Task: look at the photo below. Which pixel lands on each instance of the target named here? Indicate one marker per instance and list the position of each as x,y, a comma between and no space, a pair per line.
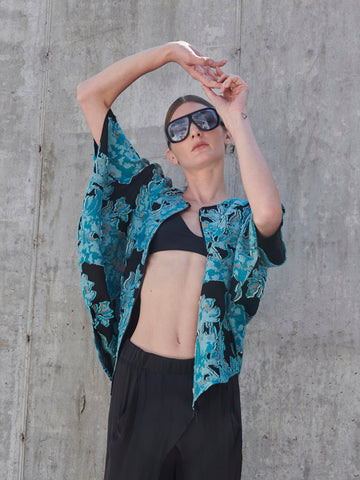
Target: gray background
300,382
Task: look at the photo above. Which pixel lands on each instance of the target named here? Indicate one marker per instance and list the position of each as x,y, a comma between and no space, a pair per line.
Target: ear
171,157
228,138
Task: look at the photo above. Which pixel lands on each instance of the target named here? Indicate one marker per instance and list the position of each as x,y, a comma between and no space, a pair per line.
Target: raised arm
258,182
97,94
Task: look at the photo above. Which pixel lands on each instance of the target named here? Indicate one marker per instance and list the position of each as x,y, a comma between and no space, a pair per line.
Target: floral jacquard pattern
102,314
126,201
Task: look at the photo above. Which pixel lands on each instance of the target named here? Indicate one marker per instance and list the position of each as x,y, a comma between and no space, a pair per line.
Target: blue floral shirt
126,201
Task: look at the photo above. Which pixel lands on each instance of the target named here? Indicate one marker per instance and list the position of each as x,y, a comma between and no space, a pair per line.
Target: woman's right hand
200,68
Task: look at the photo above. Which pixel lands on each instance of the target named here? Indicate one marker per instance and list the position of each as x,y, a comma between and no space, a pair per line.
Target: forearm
107,85
258,182
97,94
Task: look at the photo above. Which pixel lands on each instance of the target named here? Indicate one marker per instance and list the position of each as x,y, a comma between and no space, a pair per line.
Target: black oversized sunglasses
206,119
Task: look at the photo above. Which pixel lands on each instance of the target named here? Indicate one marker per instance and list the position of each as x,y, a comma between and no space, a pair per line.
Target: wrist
236,119
170,50
154,58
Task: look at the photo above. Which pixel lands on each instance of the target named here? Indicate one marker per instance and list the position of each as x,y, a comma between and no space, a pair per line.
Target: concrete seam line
34,239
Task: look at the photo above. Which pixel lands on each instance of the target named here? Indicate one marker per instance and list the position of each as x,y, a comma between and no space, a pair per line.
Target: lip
199,145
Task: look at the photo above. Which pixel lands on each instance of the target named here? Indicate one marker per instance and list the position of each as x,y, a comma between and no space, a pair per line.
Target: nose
195,130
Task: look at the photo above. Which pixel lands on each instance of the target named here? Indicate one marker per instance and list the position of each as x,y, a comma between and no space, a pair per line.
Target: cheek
178,153
220,143
181,150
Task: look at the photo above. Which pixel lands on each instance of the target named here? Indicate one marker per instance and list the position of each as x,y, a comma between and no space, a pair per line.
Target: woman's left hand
232,97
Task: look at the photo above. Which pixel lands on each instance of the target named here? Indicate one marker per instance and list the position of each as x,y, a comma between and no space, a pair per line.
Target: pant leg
211,447
149,411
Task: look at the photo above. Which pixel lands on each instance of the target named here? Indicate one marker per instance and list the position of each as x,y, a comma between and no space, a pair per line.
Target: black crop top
174,234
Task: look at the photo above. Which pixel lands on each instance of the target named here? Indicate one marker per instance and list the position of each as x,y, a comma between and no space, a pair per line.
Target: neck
206,187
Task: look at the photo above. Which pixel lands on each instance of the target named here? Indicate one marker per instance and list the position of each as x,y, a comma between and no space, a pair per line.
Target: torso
169,299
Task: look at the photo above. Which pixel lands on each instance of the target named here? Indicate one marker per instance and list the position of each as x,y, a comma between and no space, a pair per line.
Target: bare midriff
169,303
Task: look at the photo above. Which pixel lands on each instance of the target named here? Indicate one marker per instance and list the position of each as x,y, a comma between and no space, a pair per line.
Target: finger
222,78
236,81
221,63
209,83
206,80
213,63
208,71
206,76
207,61
210,94
230,83
202,59
220,72
202,76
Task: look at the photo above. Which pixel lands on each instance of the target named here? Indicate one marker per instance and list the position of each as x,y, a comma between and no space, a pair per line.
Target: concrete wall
300,384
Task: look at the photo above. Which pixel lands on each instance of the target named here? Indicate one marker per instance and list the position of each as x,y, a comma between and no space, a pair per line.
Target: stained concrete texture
300,386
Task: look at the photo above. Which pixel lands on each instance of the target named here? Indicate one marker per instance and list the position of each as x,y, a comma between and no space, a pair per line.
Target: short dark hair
186,99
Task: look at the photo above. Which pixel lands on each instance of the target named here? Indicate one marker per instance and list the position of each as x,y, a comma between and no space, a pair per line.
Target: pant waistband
154,362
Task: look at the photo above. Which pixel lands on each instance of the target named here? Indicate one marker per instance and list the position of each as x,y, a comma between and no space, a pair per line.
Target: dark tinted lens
206,119
178,129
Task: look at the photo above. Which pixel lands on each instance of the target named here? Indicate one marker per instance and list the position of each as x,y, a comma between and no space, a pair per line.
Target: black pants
153,433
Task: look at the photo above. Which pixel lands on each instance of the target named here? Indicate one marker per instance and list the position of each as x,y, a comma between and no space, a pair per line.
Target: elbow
269,221
87,96
81,93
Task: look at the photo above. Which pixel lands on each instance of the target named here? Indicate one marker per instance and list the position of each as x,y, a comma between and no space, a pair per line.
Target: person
171,276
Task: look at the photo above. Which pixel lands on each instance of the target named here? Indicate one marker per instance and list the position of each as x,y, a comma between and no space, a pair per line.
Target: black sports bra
174,234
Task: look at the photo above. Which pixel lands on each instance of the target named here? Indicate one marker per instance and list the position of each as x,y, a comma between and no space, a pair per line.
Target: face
200,148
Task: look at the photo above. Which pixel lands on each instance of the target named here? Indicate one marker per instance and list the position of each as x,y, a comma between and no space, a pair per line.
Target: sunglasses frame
191,120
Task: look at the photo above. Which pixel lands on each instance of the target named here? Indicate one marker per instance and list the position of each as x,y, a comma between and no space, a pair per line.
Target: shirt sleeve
254,255
118,175
272,249
116,153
